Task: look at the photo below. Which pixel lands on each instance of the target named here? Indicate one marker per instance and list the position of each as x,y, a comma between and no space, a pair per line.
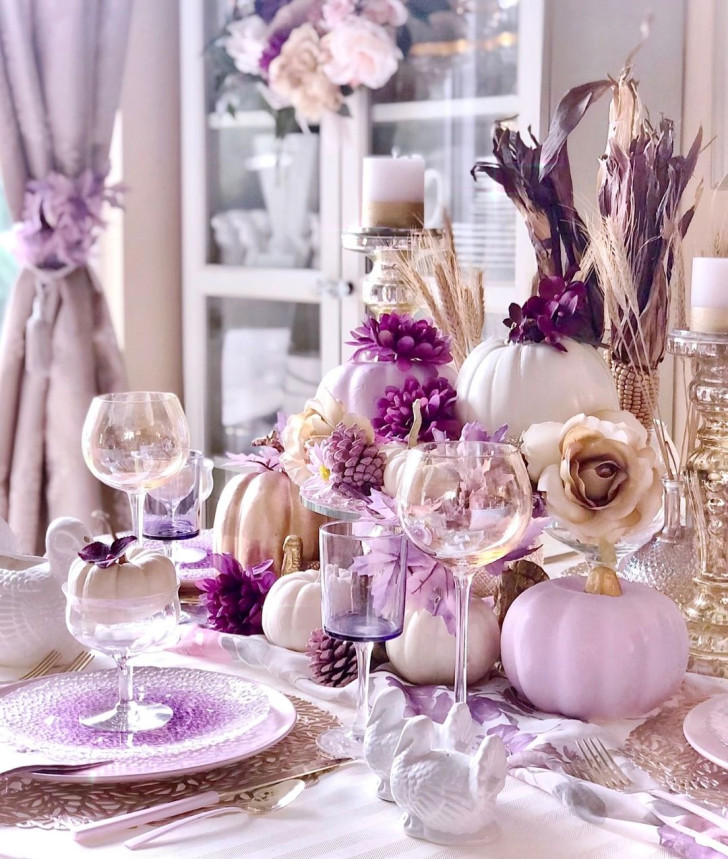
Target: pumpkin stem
602,579
414,433
292,554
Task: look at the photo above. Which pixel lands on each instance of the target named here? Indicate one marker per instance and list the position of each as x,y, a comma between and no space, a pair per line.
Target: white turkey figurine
32,604
449,796
385,725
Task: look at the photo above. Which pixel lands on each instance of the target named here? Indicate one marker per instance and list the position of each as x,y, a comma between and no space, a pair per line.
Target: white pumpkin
145,573
292,609
520,384
425,652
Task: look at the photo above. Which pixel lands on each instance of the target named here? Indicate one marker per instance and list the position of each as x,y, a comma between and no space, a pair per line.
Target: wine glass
363,575
123,627
173,510
467,504
135,441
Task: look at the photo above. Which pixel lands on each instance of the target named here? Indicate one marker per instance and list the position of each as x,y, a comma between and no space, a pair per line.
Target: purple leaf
104,556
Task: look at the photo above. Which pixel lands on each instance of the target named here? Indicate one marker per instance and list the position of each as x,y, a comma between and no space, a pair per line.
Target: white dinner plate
700,731
218,719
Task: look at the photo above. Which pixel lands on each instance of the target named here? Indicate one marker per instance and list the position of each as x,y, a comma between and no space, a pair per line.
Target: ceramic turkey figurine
32,604
384,728
449,796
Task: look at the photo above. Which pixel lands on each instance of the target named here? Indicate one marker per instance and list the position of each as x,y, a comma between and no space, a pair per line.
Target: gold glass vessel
706,473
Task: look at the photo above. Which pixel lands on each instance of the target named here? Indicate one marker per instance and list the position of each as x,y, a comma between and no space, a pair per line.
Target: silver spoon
261,801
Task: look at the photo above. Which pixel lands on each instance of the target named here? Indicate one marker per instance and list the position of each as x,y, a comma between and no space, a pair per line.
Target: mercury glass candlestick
707,479
383,289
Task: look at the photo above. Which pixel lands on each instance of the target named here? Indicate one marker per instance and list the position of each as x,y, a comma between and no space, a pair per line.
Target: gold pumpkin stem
292,554
602,579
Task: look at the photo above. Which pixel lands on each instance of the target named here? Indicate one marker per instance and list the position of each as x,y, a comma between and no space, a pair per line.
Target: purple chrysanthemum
234,598
354,463
399,338
555,312
436,398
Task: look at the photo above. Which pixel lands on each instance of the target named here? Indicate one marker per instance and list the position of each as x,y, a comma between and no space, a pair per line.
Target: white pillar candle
393,192
709,295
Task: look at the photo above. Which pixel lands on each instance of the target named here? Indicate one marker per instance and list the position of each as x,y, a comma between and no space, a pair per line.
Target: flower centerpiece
346,448
308,56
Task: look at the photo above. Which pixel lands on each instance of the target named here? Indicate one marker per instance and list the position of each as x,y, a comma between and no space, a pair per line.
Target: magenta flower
399,338
234,598
557,311
436,398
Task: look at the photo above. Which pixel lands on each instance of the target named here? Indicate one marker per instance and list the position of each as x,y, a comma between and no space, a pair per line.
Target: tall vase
668,561
287,168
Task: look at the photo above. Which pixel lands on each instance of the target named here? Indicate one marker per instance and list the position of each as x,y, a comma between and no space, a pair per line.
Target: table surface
341,816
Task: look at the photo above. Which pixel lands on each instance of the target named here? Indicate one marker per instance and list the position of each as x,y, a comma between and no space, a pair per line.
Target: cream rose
298,74
601,481
362,53
314,424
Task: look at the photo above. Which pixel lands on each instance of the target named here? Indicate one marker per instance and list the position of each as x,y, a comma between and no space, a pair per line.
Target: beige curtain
61,64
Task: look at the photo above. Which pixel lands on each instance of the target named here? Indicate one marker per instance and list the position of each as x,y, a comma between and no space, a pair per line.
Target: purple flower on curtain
62,219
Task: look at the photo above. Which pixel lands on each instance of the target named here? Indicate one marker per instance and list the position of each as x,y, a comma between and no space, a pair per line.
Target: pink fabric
61,64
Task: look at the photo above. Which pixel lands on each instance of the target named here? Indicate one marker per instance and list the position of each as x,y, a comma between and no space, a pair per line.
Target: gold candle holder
706,474
383,289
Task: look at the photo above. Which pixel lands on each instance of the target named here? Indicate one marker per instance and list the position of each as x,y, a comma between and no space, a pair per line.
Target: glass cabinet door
460,76
262,278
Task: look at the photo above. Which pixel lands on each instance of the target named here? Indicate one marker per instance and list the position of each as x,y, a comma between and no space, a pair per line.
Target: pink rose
298,74
335,12
245,43
362,53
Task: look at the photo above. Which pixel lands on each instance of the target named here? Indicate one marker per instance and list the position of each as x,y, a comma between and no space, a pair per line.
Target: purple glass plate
218,718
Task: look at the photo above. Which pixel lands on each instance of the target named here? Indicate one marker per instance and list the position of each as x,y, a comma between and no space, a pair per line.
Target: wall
141,255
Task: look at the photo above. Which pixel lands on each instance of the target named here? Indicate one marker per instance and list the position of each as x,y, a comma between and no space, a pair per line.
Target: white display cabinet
267,306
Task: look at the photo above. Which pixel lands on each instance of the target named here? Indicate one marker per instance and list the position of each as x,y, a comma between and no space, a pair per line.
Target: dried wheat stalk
454,299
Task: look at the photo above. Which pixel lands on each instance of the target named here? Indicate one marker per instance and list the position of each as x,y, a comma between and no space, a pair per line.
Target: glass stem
363,659
126,695
462,605
136,499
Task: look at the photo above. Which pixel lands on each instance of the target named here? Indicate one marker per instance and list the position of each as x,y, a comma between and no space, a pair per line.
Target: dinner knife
90,831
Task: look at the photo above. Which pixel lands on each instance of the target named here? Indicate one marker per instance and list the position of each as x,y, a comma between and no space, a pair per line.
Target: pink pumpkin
360,384
592,656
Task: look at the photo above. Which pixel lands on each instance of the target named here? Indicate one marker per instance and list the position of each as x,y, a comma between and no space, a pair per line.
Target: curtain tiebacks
39,327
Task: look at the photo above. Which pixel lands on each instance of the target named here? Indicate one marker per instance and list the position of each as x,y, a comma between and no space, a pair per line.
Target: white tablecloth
342,817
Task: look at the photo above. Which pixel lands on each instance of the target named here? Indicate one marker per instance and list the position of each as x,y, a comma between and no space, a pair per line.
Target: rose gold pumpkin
255,514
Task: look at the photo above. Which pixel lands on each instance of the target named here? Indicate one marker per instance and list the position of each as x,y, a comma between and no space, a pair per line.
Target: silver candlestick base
384,290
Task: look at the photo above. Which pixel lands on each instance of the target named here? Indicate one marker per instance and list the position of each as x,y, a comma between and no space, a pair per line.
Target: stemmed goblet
363,576
467,504
135,441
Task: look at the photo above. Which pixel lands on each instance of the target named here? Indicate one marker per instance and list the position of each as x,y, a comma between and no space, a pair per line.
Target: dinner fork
598,766
46,664
83,660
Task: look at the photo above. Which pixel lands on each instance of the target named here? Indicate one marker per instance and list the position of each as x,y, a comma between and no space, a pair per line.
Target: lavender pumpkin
388,350
593,655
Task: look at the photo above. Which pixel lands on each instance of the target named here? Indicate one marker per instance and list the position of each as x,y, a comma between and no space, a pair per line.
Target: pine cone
332,662
355,463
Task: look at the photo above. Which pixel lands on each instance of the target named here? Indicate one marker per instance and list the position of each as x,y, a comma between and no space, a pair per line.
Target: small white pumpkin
520,384
292,610
425,652
145,573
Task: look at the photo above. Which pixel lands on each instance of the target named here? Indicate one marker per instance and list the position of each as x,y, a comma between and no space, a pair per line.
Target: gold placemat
658,746
55,805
